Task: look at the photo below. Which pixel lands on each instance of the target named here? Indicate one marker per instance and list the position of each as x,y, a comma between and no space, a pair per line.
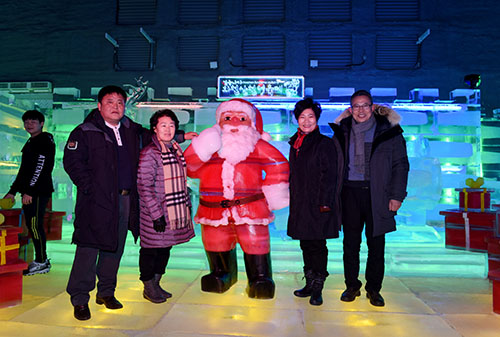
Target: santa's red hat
241,105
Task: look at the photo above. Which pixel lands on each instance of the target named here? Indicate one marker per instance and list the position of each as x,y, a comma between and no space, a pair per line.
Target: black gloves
159,224
179,136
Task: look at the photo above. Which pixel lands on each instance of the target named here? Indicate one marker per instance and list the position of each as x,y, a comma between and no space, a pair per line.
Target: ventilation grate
396,52
330,10
264,52
198,11
397,10
133,12
134,53
331,52
196,53
263,10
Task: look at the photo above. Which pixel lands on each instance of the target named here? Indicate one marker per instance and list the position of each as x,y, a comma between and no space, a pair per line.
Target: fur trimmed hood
392,116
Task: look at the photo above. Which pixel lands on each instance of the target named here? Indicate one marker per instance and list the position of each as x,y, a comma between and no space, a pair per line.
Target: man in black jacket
374,186
101,158
34,182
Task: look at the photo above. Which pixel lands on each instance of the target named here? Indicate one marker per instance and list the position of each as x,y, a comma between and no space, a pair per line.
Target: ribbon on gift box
466,199
4,248
466,230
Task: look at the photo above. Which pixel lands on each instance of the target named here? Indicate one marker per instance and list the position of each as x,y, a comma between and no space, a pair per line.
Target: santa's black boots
259,273
223,272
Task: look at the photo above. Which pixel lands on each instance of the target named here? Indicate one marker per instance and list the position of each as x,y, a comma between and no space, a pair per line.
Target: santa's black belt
230,203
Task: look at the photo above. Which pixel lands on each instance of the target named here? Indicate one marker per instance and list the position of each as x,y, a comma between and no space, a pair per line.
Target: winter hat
238,104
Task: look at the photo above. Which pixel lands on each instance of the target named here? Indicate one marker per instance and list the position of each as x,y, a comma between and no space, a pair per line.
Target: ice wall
443,141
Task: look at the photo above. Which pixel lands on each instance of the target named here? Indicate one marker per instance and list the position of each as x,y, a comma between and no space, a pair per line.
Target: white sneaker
37,268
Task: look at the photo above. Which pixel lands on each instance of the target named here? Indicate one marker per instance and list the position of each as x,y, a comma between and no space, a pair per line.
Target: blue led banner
261,87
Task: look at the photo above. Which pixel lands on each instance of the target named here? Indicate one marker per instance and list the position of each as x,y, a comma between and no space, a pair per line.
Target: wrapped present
497,223
474,199
12,216
11,267
9,244
11,279
493,254
468,230
26,249
495,277
52,223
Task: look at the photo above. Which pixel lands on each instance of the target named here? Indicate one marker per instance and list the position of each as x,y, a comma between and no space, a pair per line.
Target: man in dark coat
101,158
375,179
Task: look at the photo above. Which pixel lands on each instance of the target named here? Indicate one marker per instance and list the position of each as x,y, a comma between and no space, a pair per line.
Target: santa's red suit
242,179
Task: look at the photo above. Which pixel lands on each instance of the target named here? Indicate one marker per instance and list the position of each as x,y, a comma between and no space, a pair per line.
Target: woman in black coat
314,196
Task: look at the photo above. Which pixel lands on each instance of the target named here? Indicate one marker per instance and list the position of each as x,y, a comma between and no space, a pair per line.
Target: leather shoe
109,301
375,298
82,312
350,294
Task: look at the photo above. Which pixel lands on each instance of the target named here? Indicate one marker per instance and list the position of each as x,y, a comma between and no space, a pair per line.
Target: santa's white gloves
207,143
277,195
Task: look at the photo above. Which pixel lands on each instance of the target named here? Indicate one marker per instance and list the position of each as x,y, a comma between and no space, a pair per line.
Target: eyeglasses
361,107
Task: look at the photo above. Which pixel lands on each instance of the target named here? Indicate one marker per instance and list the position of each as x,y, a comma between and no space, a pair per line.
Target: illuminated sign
261,87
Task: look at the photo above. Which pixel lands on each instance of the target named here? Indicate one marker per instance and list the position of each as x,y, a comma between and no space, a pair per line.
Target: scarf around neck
298,142
300,139
358,131
176,193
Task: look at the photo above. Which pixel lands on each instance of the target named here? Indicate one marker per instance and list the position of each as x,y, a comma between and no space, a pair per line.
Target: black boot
164,293
223,272
317,284
307,290
152,293
260,276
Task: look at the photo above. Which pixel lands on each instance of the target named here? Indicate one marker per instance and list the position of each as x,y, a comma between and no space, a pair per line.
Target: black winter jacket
315,180
90,159
389,164
35,174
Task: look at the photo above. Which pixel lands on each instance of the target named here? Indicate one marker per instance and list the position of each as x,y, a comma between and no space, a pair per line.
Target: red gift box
12,217
52,222
497,224
474,199
468,230
26,249
495,277
11,279
493,255
9,244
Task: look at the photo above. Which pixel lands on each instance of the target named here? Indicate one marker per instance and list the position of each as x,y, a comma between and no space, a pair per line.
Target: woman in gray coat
165,207
314,196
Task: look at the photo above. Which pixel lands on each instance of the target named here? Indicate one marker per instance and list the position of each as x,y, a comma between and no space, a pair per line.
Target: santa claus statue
242,179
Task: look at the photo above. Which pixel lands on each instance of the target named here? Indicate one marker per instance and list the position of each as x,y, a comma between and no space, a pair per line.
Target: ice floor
416,306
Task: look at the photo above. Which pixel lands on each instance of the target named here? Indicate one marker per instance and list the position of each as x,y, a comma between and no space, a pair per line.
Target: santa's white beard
236,146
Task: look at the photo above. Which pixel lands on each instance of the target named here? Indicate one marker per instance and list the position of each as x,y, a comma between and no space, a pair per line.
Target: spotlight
472,80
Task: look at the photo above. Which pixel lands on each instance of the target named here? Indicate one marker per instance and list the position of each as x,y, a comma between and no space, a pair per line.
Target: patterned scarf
176,193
